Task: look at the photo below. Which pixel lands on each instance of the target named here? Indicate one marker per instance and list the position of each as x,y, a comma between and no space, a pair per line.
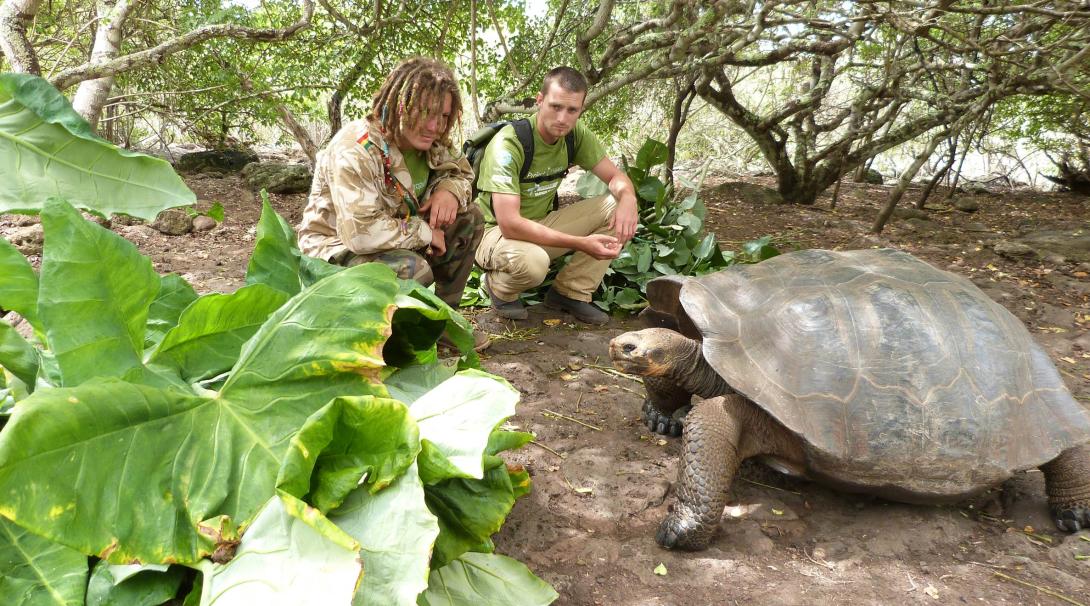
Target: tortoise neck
693,373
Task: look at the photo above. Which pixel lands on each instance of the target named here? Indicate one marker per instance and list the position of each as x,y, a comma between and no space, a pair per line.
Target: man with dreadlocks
390,189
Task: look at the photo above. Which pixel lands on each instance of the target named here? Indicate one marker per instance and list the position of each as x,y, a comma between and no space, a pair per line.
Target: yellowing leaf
777,511
660,569
1067,359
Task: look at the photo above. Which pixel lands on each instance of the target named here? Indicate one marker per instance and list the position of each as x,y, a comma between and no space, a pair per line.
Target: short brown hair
414,90
568,78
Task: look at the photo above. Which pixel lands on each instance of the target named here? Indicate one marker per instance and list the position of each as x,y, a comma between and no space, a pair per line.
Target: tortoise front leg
664,399
1067,482
710,456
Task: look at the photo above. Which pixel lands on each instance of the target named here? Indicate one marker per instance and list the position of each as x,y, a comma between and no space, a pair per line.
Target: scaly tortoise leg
1067,483
710,456
665,405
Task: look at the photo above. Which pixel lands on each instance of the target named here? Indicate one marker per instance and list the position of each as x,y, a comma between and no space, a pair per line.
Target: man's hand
601,246
441,207
438,242
624,219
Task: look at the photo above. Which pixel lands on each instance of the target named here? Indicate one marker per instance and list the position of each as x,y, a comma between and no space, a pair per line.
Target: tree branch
156,54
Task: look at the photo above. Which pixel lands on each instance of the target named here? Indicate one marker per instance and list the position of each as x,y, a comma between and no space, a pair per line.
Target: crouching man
526,230
389,188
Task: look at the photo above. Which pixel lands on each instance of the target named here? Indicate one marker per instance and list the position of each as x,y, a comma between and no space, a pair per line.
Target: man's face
421,135
558,110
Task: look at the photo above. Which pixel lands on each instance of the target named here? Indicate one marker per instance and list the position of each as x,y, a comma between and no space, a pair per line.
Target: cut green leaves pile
260,446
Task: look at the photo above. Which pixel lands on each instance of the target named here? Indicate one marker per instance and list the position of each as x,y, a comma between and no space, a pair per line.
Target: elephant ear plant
295,438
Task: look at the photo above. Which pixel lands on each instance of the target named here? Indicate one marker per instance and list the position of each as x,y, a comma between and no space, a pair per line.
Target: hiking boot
583,311
481,341
512,310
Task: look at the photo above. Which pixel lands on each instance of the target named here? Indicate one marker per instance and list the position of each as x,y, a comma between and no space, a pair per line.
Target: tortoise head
651,352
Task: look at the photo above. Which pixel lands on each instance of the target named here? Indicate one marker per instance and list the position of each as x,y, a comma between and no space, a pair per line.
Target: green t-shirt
417,163
503,160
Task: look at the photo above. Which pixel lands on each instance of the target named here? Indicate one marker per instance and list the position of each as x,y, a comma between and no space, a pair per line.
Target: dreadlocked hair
414,90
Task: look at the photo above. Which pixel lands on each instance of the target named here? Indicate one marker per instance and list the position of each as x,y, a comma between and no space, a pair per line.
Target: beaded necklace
393,184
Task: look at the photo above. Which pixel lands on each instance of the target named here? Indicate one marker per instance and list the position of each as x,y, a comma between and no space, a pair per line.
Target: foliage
48,150
266,438
669,240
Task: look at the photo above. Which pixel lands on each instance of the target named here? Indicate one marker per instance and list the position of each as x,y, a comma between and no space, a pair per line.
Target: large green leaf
122,585
175,294
484,578
94,296
290,555
275,260
396,533
47,149
17,355
38,572
590,186
458,416
348,438
210,332
471,510
150,465
652,153
19,288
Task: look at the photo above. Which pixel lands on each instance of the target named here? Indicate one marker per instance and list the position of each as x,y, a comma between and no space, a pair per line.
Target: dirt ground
602,482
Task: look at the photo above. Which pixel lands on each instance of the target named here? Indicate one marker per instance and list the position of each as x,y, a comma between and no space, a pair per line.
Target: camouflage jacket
350,206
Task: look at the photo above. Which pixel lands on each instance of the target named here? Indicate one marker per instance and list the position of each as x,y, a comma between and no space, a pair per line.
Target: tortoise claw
1071,519
664,424
676,532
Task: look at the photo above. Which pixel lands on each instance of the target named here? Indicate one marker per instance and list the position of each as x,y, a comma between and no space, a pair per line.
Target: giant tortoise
869,370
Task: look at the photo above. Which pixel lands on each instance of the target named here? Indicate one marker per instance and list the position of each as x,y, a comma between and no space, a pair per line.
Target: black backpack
473,149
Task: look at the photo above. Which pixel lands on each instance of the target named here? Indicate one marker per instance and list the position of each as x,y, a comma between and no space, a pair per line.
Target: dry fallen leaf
551,322
601,388
1080,274
662,442
584,490
1068,359
931,591
567,376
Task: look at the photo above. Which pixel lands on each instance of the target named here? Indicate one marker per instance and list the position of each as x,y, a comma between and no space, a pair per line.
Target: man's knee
526,265
406,264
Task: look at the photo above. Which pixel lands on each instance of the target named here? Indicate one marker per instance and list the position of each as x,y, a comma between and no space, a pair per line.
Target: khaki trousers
514,266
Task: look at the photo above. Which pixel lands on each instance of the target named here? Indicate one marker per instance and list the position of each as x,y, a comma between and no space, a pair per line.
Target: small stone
966,204
976,227
203,223
173,222
126,220
910,213
1013,250
28,239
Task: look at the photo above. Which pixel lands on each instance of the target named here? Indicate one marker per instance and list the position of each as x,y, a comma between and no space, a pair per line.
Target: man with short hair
525,231
390,188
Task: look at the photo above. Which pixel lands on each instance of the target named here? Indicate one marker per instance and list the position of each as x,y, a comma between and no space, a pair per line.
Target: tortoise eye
628,348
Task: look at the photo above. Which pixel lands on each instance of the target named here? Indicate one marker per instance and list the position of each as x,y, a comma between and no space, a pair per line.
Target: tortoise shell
900,378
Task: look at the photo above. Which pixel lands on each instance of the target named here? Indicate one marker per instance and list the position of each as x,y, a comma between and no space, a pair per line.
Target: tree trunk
302,137
939,174
681,113
15,17
333,109
902,184
92,94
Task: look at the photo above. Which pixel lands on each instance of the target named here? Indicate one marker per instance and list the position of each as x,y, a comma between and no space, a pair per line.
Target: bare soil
602,482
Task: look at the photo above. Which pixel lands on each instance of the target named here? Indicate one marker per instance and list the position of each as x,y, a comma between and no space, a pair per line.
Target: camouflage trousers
448,271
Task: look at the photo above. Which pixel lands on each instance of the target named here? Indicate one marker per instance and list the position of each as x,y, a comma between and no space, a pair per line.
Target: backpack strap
525,134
